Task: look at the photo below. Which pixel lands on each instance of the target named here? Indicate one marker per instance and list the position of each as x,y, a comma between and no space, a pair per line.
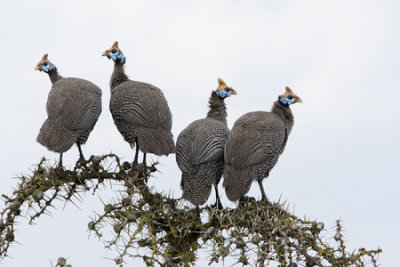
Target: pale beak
104,53
37,67
233,91
298,99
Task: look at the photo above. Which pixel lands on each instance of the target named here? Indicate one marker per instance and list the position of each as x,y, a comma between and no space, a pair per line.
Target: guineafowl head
223,90
45,65
115,54
289,97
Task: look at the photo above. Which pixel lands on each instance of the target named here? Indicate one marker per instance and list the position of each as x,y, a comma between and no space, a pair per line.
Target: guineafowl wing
72,100
73,107
256,138
209,141
201,142
183,149
59,98
90,108
141,104
90,111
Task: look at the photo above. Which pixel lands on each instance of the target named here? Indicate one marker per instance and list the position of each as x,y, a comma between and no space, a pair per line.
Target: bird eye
44,63
290,96
227,89
114,51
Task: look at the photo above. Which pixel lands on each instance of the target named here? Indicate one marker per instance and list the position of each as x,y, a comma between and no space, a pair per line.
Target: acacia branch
162,230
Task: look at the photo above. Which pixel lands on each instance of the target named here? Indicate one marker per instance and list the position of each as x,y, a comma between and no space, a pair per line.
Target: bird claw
246,199
60,166
266,201
81,162
217,205
126,165
141,168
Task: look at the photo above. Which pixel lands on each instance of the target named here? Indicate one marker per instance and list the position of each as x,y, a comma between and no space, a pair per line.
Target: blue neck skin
286,101
118,56
223,93
48,67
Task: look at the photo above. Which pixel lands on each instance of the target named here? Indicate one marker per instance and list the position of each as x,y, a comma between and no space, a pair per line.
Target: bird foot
197,213
81,162
266,201
126,165
60,166
141,168
246,199
134,163
217,205
135,166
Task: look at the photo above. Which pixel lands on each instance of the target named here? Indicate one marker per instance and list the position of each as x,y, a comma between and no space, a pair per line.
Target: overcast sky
341,57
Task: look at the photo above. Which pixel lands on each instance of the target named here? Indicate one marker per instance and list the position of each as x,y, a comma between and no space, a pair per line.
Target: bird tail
55,137
236,182
196,187
156,141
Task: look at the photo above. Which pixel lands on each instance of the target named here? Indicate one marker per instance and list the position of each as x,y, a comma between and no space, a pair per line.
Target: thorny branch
162,231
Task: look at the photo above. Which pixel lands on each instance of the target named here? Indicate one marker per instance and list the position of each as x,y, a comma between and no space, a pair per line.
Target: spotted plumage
73,107
140,110
254,145
200,149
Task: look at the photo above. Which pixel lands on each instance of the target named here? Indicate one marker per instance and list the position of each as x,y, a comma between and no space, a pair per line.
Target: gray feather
140,111
253,147
73,107
200,153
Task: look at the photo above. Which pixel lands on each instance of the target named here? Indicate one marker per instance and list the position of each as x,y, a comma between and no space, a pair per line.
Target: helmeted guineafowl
73,107
254,145
200,150
140,111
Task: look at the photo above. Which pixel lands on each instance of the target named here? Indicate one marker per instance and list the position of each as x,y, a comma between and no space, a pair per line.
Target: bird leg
81,157
60,165
218,203
135,161
264,196
198,210
81,161
144,160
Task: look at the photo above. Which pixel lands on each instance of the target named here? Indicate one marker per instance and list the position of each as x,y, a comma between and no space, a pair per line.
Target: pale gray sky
341,57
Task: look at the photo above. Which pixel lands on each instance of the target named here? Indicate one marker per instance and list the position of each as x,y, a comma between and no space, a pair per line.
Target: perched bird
140,111
254,145
200,150
73,107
